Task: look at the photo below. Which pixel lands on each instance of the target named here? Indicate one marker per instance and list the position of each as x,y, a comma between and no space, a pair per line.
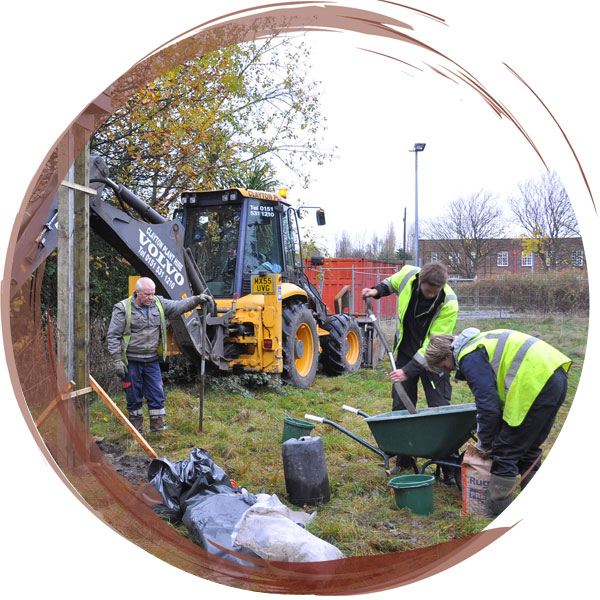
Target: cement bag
475,480
274,532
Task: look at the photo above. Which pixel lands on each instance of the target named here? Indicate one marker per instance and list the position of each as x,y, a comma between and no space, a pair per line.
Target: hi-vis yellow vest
444,319
162,347
522,365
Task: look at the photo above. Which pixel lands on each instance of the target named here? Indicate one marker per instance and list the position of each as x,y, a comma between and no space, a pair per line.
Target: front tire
343,347
300,345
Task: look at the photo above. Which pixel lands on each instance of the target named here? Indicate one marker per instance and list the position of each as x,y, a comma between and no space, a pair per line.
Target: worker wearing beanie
519,383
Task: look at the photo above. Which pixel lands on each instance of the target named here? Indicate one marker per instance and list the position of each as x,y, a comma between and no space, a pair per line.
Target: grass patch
242,431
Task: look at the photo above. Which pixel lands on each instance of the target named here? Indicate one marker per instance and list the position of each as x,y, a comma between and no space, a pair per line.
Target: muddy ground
132,468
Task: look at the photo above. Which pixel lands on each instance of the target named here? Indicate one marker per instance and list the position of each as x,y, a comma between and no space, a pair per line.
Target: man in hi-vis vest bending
519,383
137,338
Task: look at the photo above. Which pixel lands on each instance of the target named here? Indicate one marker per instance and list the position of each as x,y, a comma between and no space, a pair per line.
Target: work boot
498,496
402,463
138,422
525,480
450,476
157,423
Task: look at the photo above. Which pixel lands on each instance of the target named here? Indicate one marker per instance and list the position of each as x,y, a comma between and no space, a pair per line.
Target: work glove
119,368
203,299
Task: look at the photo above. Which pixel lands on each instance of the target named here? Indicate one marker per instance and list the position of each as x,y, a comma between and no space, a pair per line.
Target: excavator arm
153,245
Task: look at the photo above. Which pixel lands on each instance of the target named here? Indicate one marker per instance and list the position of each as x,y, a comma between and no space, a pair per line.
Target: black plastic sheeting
200,494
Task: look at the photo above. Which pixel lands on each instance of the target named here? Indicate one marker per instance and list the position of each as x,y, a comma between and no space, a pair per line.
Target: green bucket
295,428
414,492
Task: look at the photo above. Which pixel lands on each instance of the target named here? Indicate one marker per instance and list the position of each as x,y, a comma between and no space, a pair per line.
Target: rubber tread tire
333,357
295,314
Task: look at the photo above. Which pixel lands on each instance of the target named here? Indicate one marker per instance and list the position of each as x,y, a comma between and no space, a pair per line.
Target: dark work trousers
437,388
515,449
144,380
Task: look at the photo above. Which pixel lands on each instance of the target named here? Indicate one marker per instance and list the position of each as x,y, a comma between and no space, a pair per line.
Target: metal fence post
378,309
352,290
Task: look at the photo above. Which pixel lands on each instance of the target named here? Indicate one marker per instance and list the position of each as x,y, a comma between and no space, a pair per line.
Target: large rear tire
343,347
300,345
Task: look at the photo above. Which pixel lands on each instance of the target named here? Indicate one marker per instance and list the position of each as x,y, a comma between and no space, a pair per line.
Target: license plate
263,285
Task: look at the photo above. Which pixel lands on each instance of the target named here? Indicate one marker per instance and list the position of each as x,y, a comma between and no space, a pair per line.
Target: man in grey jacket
137,337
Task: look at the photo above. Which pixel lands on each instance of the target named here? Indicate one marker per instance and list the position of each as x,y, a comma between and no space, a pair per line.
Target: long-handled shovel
410,407
202,372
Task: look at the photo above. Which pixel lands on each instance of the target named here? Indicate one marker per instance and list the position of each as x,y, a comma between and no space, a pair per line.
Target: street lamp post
416,149
404,240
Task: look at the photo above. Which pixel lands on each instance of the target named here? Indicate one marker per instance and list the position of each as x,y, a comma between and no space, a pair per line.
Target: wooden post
65,450
73,290
81,269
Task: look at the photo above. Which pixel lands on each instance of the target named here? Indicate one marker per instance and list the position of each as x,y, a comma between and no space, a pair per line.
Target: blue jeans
144,380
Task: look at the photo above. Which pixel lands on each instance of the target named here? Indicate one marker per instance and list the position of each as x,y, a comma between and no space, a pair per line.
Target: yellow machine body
262,351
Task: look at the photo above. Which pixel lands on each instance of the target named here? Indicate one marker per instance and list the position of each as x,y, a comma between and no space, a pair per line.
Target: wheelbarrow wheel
343,347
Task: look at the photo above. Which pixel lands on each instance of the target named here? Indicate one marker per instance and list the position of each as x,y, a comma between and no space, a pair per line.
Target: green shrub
564,292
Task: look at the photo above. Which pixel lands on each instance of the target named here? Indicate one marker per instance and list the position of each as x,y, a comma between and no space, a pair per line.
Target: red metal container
357,273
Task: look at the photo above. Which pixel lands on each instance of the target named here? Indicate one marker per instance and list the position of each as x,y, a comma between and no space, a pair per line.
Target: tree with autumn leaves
243,114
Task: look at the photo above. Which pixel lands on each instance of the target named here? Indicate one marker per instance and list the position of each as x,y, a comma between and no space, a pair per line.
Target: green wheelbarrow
430,433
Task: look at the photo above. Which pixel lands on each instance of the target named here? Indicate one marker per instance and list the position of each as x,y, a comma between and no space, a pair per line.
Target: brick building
507,257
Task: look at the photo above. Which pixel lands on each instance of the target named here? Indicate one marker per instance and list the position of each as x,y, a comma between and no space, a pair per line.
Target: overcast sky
376,110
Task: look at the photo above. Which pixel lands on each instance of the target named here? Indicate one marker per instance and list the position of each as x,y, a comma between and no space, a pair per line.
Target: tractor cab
237,233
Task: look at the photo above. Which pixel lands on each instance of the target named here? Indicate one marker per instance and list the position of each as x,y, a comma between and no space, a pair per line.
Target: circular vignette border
128,510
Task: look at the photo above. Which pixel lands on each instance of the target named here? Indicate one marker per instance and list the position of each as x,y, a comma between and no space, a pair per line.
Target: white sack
274,532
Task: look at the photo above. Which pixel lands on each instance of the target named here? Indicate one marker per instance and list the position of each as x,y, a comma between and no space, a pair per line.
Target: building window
577,258
502,259
454,258
434,257
526,259
550,258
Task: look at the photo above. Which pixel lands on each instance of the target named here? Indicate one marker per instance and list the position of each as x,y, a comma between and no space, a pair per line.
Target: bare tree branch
545,213
464,233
